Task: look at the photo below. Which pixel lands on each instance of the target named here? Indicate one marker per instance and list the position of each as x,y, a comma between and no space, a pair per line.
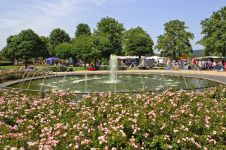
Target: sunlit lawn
15,67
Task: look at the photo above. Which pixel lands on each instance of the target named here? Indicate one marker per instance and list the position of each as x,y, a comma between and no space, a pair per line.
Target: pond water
125,83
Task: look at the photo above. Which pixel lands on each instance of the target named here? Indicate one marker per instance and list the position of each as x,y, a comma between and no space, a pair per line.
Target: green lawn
14,67
9,67
77,68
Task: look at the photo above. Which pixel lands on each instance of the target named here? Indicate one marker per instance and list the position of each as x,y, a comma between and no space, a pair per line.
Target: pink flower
102,139
30,144
53,142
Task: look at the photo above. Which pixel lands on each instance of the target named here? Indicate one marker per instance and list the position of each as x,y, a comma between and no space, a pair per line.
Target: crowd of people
197,64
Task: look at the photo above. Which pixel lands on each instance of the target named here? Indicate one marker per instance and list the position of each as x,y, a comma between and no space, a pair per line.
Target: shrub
6,63
70,69
19,75
58,69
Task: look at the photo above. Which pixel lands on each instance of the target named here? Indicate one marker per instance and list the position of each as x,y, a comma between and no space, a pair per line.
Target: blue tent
51,60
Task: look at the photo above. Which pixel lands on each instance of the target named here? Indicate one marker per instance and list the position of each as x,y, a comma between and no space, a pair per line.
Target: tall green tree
82,47
137,42
101,47
56,37
25,45
176,40
45,40
91,48
214,31
82,29
9,51
63,50
113,30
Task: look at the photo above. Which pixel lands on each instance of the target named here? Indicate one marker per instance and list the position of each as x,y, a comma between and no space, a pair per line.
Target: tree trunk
26,63
224,53
85,65
174,55
95,62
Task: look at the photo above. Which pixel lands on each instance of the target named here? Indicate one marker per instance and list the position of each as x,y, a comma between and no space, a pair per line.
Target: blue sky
44,15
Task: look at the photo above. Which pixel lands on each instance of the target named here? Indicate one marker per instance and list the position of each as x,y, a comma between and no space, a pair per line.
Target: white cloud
40,15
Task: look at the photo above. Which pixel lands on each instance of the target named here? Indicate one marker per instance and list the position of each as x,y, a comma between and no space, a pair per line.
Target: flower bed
167,120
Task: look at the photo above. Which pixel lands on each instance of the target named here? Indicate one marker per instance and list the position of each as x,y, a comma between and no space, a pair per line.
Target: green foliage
60,69
5,63
82,29
90,48
137,42
101,45
113,30
56,37
213,29
14,75
82,47
176,40
25,45
63,50
46,50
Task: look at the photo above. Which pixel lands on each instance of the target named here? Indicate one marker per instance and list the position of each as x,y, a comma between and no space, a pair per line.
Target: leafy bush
167,120
60,69
10,76
6,63
70,69
19,75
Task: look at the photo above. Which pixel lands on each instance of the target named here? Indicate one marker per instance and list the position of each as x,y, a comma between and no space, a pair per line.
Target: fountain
125,82
113,69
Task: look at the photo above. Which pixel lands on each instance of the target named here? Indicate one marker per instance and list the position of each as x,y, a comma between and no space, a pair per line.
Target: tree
82,47
176,40
82,29
56,37
103,45
9,51
25,45
63,50
91,48
113,30
47,48
214,31
137,42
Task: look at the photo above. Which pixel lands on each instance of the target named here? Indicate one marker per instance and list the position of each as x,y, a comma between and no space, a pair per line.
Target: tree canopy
113,30
83,47
82,29
57,36
176,40
214,31
103,45
137,42
63,50
25,45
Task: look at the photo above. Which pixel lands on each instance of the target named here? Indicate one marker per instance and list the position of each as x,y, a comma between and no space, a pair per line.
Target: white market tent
127,57
142,57
209,57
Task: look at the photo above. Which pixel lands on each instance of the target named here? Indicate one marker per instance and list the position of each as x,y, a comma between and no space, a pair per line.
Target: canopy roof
209,57
127,57
52,58
135,57
154,57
